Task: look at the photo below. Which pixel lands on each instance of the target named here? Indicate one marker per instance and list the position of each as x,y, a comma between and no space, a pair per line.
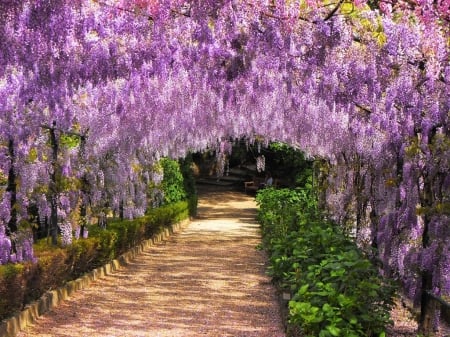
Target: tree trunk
54,187
84,188
12,189
121,209
427,305
83,213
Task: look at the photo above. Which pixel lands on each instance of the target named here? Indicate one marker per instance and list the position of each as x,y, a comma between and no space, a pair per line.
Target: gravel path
208,280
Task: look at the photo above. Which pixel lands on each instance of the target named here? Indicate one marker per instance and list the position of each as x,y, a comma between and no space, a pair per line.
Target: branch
186,13
420,64
366,110
422,82
438,299
127,10
70,133
299,17
45,127
333,11
277,17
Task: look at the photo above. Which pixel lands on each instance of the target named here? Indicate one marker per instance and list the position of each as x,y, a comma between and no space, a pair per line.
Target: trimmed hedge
23,283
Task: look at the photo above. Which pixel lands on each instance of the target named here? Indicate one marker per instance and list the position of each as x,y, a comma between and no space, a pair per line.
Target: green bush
278,211
12,283
289,163
51,270
336,290
23,283
189,183
186,165
86,254
173,181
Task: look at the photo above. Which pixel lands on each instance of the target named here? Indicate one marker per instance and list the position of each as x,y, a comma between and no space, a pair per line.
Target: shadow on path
207,281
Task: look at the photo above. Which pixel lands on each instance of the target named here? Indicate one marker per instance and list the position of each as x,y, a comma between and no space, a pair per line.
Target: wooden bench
256,183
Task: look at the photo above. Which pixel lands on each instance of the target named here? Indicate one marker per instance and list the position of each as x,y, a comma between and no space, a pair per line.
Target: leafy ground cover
336,290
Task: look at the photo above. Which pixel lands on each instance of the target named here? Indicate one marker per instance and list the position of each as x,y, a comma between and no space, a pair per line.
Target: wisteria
23,244
260,163
5,247
93,93
66,233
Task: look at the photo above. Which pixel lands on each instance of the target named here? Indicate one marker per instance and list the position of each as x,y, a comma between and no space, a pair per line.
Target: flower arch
362,85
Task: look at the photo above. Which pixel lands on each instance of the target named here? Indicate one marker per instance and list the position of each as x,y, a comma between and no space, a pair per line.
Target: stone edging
51,299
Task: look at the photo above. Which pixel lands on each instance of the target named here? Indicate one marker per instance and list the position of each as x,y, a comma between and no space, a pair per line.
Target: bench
256,183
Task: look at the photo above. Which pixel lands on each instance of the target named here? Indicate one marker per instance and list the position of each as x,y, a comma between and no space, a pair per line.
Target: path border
53,298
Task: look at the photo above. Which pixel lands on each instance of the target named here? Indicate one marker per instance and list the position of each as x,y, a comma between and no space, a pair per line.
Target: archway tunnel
93,94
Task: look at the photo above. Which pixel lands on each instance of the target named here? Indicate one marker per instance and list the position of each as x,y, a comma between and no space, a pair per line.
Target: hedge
21,284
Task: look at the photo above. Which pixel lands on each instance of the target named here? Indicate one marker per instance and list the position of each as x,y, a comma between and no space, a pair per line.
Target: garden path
208,280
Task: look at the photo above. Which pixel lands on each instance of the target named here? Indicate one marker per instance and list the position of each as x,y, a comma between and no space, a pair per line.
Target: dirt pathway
207,281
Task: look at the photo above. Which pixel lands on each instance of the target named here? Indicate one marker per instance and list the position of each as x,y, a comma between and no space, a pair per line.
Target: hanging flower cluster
260,163
5,246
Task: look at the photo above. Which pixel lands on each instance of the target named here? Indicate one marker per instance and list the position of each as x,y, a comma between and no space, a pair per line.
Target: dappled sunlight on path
207,281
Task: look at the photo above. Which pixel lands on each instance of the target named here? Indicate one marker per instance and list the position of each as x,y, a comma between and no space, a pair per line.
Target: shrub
51,269
173,182
336,290
12,284
23,283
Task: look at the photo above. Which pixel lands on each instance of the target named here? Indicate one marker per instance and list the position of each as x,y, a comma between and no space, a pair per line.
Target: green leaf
337,273
354,321
303,289
324,333
345,301
335,331
328,309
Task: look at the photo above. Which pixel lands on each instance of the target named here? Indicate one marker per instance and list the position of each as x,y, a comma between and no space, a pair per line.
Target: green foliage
189,183
173,182
167,215
188,178
3,178
286,163
336,290
51,270
69,141
278,211
11,288
289,164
